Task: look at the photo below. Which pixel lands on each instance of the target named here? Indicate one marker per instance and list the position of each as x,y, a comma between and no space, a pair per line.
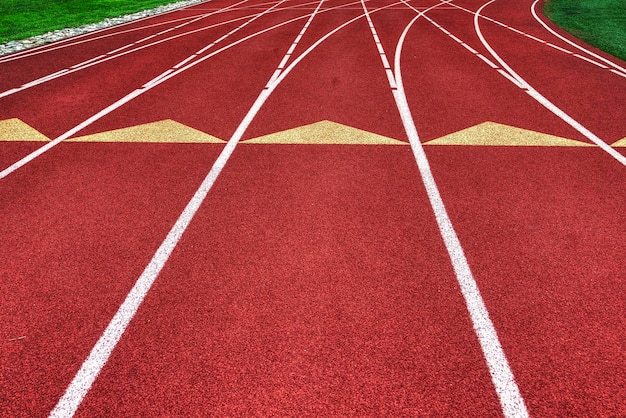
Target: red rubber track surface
314,280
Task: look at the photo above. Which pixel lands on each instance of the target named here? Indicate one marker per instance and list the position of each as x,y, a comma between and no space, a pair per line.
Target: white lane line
64,43
590,60
621,74
551,45
533,10
540,98
487,60
83,380
511,400
510,78
469,48
535,39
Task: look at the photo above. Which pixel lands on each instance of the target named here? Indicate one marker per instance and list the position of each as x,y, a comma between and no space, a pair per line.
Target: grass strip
20,19
601,23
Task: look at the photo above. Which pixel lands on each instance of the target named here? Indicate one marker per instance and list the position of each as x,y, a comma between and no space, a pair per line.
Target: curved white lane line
82,382
511,400
540,98
533,8
63,43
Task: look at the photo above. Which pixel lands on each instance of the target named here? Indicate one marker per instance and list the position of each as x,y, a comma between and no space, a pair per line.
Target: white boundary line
540,98
501,375
83,380
62,43
533,10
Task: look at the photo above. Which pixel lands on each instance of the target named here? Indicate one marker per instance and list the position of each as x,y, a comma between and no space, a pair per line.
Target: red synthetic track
314,280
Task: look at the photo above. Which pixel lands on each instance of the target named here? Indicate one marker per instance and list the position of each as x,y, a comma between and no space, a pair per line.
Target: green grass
601,23
21,19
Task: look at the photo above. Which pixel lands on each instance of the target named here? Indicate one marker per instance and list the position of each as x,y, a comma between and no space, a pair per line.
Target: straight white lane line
511,400
590,60
540,98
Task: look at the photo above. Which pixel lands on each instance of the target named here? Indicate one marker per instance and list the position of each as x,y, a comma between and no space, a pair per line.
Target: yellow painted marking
16,130
167,131
325,132
495,134
620,143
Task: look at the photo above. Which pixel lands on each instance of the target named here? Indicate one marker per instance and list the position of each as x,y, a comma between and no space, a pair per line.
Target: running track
324,208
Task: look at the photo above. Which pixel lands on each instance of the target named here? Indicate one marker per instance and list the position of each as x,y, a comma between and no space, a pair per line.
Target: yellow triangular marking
325,132
620,143
167,131
495,134
16,130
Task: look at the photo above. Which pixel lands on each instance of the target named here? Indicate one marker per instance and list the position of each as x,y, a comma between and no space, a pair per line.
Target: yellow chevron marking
325,132
16,130
495,134
163,131
620,143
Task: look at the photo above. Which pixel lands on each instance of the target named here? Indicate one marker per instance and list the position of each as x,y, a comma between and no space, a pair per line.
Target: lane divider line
83,380
502,377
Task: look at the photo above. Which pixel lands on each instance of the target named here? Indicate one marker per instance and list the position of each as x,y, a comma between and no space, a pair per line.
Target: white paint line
88,61
540,98
535,39
455,39
185,61
559,48
590,60
513,29
501,375
511,79
619,73
487,60
157,78
469,48
575,45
